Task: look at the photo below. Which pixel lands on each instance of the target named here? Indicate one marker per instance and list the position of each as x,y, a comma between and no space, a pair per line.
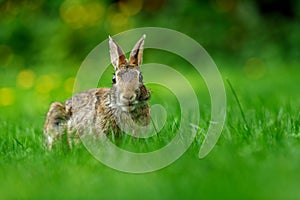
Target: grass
257,156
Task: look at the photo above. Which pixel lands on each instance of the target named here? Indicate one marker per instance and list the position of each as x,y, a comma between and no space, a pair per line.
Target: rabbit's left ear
136,55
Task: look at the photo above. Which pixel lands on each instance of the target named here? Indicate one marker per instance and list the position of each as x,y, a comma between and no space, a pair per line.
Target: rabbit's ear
117,55
136,55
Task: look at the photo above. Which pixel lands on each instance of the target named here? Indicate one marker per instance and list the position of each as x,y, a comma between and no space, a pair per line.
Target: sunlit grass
259,163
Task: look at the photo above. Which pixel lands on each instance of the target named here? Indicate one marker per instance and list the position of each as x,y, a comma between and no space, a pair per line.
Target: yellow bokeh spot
69,84
79,16
75,16
7,96
95,12
45,84
119,20
26,79
130,7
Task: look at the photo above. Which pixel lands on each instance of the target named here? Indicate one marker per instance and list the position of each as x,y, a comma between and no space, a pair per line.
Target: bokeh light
45,84
117,21
82,15
7,96
130,7
26,79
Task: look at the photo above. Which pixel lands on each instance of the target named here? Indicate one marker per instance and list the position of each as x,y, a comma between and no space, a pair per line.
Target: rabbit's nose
128,97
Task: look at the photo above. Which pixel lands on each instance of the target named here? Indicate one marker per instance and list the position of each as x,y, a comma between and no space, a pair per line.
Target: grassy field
261,161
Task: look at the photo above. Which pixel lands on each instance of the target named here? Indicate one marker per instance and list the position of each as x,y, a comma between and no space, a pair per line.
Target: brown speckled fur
98,111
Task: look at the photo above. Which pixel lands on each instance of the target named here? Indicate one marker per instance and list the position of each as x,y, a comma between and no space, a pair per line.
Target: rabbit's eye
114,78
141,77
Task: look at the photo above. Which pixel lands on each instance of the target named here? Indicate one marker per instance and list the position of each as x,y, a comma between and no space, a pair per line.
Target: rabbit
102,110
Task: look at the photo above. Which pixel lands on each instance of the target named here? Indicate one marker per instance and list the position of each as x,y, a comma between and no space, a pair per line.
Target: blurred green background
42,43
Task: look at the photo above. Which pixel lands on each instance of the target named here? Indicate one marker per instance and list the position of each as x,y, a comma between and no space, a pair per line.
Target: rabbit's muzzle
127,98
132,96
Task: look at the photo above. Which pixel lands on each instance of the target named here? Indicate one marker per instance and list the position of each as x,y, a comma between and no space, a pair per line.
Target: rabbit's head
128,90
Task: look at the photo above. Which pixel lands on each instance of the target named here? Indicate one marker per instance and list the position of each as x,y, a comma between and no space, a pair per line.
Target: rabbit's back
83,109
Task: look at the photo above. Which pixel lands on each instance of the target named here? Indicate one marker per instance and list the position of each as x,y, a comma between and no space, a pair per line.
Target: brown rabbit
102,110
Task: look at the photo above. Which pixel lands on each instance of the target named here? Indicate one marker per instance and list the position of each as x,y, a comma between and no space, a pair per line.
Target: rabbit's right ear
136,55
117,55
